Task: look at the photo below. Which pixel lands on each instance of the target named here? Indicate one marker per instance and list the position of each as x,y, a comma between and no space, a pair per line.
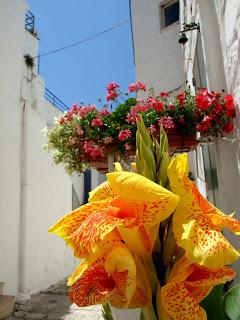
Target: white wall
47,197
158,55
12,42
220,34
33,192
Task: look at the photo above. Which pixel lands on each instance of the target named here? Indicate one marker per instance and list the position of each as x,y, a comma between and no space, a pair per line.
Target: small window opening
170,13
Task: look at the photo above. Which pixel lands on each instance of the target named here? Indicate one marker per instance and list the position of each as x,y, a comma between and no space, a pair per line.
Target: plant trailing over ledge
29,60
85,134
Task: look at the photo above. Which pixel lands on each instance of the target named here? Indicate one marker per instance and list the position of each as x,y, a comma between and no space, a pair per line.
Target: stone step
1,287
6,306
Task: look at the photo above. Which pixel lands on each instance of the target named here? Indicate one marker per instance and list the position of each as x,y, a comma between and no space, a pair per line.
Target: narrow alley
53,304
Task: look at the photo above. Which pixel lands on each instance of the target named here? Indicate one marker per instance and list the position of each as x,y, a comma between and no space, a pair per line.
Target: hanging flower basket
84,135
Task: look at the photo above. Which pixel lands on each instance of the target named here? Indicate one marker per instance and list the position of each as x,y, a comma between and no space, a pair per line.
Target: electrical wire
83,40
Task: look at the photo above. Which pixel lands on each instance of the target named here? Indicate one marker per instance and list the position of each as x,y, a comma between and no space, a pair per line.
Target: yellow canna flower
188,285
126,202
115,276
197,224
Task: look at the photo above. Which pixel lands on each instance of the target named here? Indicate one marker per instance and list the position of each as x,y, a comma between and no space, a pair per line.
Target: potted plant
85,135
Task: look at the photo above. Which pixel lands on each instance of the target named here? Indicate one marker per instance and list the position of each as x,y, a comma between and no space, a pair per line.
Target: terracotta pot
180,142
100,166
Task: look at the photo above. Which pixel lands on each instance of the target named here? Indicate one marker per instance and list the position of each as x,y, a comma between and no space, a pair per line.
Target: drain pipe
22,220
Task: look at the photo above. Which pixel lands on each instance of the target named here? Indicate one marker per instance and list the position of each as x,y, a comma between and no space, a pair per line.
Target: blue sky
81,73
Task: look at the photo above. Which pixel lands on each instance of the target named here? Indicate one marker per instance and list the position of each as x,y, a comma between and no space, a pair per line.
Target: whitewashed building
33,192
209,59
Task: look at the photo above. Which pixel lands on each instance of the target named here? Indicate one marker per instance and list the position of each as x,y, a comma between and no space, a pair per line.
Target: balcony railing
30,22
55,100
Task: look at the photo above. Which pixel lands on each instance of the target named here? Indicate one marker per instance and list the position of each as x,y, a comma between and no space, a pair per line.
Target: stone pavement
53,304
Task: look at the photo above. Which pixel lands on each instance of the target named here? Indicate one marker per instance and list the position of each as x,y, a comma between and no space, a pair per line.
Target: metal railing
30,22
49,96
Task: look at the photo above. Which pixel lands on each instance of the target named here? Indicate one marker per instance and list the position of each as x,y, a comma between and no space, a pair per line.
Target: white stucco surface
220,35
11,39
33,192
156,48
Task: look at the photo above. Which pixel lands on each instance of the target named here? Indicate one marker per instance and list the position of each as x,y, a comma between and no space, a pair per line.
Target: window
170,13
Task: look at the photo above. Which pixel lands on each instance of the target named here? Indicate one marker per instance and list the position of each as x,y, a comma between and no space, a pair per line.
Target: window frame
162,7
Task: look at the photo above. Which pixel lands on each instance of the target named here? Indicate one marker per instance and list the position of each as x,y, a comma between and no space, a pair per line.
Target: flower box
84,135
181,142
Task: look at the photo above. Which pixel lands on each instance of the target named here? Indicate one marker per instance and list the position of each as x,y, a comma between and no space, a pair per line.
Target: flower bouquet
84,135
149,240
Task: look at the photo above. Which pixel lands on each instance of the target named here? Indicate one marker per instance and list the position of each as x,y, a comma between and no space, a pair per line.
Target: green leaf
138,162
106,312
213,304
142,315
162,173
163,141
158,153
144,134
147,172
231,303
147,154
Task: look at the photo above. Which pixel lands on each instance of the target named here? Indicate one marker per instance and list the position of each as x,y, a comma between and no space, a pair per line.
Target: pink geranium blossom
112,86
97,122
84,110
164,94
75,108
170,107
91,148
155,104
167,122
69,116
205,124
112,95
136,86
124,134
104,112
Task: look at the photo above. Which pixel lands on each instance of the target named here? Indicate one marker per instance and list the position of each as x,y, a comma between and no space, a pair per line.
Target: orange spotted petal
158,202
97,257
94,229
71,221
199,237
202,280
102,192
218,218
188,285
139,239
221,220
197,224
93,287
180,304
120,264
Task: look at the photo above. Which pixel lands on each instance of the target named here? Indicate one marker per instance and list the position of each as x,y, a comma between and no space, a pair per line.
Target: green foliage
213,304
220,306
66,142
106,312
231,303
